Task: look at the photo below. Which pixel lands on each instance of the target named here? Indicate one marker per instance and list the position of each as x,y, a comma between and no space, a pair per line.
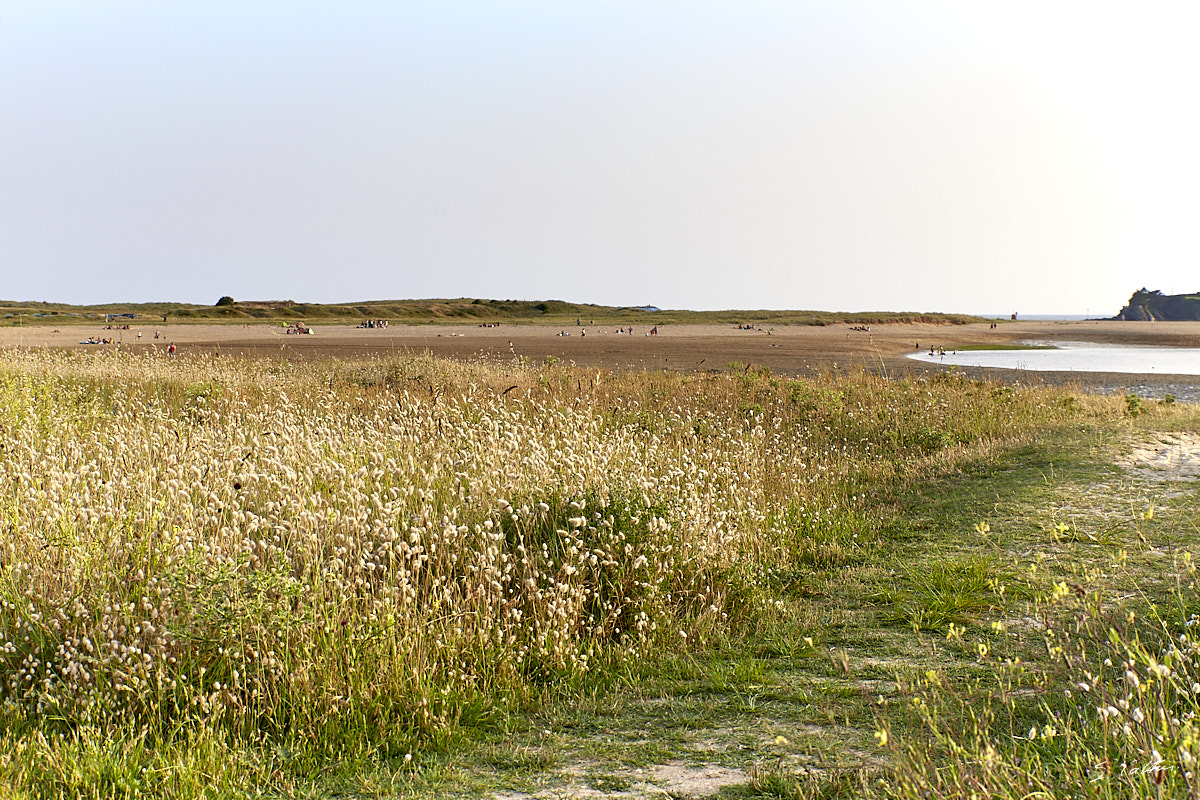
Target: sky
844,155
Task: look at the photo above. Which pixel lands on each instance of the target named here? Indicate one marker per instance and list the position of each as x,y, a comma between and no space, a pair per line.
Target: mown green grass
879,530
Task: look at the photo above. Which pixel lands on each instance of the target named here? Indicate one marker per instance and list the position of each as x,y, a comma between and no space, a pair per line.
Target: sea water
1078,357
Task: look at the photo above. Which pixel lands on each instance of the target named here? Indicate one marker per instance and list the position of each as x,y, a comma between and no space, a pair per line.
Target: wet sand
786,350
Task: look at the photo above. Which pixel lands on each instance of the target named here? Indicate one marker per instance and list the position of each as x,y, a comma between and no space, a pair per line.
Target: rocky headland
1146,305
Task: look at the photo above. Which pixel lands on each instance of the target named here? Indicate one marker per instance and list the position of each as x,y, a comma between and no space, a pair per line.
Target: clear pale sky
980,157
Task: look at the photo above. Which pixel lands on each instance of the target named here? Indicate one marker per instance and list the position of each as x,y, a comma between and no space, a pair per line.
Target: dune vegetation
442,310
409,576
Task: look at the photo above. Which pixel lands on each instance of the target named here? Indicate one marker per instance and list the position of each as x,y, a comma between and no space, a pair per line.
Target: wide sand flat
791,350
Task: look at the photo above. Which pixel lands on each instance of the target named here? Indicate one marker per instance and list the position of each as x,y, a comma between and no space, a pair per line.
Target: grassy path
794,711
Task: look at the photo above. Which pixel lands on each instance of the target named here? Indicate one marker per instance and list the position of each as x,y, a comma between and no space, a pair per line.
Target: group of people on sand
110,340
747,327
116,327
489,324
652,332
373,323
623,331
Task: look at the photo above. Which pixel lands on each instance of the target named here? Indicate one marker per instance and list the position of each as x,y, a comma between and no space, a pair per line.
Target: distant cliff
1147,305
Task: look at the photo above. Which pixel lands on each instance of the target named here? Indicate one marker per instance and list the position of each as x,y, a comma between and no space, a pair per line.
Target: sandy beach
786,350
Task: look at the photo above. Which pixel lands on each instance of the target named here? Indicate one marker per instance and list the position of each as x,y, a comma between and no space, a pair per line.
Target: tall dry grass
383,551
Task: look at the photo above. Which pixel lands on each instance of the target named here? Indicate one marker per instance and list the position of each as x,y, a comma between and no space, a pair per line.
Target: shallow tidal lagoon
1077,357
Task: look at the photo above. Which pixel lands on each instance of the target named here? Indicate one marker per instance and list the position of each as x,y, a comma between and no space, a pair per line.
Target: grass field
413,577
